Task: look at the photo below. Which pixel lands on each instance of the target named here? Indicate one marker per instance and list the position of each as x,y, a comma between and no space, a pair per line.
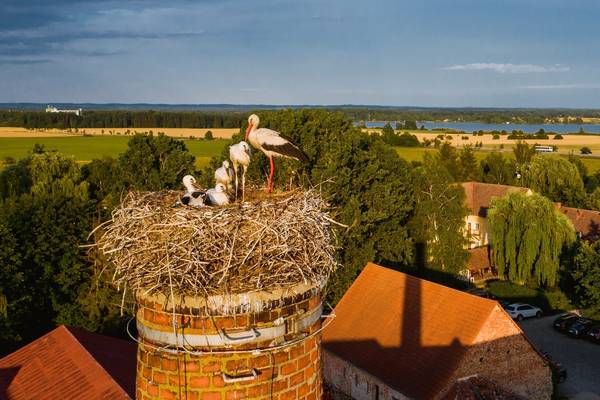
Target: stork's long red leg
270,181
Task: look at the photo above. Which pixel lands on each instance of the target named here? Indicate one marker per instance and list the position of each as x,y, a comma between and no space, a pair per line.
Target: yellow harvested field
565,145
220,133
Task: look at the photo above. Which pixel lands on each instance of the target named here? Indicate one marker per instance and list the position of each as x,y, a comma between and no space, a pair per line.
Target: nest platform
267,243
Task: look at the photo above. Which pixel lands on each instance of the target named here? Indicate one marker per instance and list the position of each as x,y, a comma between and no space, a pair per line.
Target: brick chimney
256,345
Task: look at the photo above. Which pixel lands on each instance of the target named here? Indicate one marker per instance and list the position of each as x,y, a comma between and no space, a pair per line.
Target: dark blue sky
538,53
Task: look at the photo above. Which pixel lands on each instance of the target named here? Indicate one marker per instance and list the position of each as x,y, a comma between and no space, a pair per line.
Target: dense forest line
227,118
123,119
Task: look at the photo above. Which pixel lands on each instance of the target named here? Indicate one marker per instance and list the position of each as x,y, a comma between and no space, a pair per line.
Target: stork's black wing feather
287,149
198,194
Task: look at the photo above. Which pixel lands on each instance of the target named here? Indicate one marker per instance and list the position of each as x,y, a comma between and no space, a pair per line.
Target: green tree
447,156
585,150
410,124
154,163
528,235
438,223
13,295
495,168
49,222
469,170
586,275
208,135
556,178
523,152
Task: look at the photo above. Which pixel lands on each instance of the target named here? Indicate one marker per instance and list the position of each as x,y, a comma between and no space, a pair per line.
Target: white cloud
562,86
508,68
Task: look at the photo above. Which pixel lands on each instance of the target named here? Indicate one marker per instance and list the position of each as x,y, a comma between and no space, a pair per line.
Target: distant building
77,111
398,337
70,363
478,200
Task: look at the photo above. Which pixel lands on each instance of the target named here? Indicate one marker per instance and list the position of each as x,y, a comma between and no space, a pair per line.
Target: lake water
477,126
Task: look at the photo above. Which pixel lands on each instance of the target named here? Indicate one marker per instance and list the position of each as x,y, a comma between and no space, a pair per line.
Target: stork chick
224,175
193,196
239,154
217,196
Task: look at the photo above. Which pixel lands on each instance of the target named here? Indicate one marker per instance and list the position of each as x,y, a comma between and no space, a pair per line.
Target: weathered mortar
258,345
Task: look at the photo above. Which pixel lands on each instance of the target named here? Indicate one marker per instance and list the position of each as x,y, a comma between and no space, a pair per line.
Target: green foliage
556,178
13,296
558,136
495,168
439,216
154,163
547,299
469,170
48,206
586,275
49,222
523,152
585,150
529,235
208,135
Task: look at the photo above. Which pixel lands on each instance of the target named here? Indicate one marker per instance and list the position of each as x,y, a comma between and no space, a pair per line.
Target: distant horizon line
241,106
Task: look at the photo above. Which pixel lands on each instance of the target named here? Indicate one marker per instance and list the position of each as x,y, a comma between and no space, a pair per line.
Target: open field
174,132
416,154
86,148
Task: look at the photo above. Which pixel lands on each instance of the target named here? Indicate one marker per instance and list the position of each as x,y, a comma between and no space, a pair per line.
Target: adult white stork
216,196
239,154
272,144
224,175
193,196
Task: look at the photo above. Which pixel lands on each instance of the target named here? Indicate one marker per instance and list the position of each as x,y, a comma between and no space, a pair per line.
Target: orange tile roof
479,258
408,332
69,363
478,196
586,222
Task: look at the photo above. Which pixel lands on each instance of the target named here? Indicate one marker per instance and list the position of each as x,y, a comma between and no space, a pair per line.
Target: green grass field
86,148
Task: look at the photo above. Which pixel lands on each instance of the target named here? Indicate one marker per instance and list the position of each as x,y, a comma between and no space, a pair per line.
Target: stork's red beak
248,130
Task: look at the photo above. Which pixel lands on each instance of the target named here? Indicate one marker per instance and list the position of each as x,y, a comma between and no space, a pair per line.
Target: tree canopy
438,224
556,178
528,237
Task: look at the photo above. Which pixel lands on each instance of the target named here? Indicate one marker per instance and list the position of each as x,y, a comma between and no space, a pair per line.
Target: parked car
564,322
593,333
580,327
520,311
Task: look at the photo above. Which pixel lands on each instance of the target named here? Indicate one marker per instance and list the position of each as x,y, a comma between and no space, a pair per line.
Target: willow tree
528,235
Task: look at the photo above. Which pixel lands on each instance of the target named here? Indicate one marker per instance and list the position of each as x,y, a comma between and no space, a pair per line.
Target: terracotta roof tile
586,222
408,332
69,363
479,258
478,196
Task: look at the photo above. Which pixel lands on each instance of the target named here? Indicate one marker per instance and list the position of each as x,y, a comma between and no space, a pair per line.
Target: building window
476,226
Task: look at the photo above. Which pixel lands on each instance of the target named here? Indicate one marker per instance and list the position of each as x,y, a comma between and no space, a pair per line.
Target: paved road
580,357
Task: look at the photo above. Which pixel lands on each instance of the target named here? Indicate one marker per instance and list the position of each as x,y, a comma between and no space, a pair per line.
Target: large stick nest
276,242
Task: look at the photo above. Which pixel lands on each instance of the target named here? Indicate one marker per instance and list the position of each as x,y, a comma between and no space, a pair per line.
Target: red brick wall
288,372
503,354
